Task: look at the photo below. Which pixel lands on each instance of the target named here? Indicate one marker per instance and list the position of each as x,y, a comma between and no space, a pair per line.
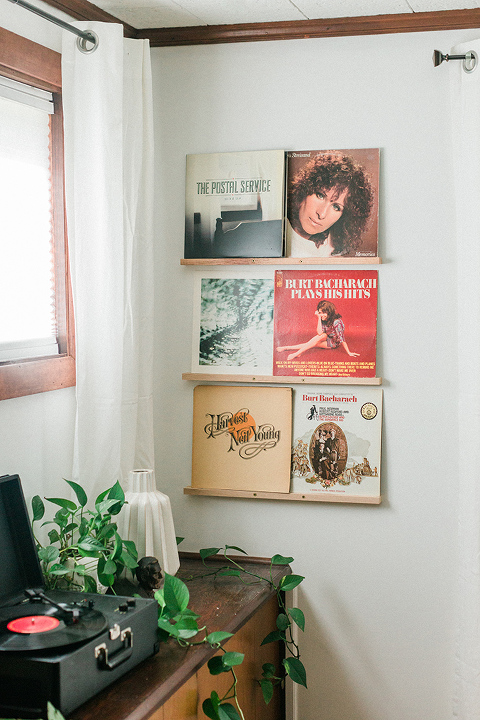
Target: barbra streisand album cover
332,203
337,440
242,438
325,323
234,204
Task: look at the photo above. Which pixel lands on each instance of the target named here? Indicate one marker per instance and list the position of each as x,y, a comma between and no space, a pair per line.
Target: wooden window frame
26,61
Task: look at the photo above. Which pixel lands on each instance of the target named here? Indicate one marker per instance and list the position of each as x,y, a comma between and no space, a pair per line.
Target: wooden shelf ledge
298,497
286,379
283,261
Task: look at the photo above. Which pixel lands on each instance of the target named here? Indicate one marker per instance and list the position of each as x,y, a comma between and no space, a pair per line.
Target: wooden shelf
287,379
283,261
299,497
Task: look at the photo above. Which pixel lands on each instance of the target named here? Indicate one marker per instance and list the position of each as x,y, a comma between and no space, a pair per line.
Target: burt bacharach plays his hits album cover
234,204
325,323
337,441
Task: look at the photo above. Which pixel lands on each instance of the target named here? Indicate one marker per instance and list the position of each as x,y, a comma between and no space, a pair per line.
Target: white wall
380,581
36,432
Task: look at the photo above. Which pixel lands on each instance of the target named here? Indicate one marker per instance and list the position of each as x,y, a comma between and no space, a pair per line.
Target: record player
58,646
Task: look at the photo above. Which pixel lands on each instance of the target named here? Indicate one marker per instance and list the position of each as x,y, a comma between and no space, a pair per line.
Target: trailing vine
176,620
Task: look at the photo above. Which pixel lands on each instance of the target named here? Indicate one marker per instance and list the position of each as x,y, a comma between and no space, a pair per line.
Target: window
36,334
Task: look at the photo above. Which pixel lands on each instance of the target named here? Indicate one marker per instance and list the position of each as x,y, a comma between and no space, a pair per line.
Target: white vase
146,518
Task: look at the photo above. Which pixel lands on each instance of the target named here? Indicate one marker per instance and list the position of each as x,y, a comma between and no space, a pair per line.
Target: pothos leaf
296,670
79,492
38,508
208,552
298,617
176,593
267,690
281,560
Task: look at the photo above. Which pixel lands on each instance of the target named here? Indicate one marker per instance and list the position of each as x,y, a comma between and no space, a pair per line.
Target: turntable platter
13,636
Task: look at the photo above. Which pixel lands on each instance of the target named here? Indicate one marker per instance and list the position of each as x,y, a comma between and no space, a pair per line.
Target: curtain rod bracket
470,59
84,37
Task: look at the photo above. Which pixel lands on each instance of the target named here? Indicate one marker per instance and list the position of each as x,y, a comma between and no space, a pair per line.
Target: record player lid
19,563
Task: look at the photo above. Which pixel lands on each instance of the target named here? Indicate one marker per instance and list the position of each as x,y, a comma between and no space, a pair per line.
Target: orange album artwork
242,438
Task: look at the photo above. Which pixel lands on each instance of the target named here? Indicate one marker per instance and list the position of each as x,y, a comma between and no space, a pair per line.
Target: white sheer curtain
465,96
107,101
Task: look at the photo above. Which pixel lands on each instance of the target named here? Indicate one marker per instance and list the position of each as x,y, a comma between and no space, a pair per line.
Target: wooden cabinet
173,684
186,703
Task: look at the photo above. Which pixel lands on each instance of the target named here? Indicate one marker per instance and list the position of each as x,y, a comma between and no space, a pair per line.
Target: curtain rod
83,37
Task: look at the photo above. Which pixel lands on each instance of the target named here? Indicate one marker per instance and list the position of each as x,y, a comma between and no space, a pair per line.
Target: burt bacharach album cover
242,438
332,203
325,323
337,440
234,204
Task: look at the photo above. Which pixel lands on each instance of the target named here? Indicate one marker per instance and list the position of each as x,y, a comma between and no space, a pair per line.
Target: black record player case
73,662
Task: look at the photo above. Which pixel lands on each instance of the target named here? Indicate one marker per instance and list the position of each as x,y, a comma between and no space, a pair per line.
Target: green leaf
215,638
210,707
167,627
187,627
282,621
216,666
59,569
273,637
267,690
116,493
66,504
131,548
160,598
179,539
129,561
117,547
38,508
53,713
226,711
296,670
48,554
79,492
234,547
208,552
91,584
298,617
101,497
107,531
230,572
110,568
230,659
288,582
176,592
54,536
281,560
268,670
90,545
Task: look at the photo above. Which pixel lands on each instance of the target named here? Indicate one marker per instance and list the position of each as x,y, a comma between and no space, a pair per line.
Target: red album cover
325,323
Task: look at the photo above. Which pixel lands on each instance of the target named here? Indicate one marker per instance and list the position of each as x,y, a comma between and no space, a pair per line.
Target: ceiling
191,13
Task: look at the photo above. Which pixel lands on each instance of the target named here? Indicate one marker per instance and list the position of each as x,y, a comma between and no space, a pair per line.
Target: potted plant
84,543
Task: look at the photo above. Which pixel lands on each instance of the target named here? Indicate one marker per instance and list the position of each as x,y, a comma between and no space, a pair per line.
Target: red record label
33,624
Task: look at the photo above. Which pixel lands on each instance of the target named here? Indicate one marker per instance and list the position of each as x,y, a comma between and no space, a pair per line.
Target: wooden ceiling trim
299,29
288,30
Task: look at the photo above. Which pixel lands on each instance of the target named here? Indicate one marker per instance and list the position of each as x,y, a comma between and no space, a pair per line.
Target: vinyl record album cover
233,321
332,203
325,323
234,204
242,438
337,440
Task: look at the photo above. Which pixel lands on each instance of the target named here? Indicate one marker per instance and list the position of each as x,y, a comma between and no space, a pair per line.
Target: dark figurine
149,576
